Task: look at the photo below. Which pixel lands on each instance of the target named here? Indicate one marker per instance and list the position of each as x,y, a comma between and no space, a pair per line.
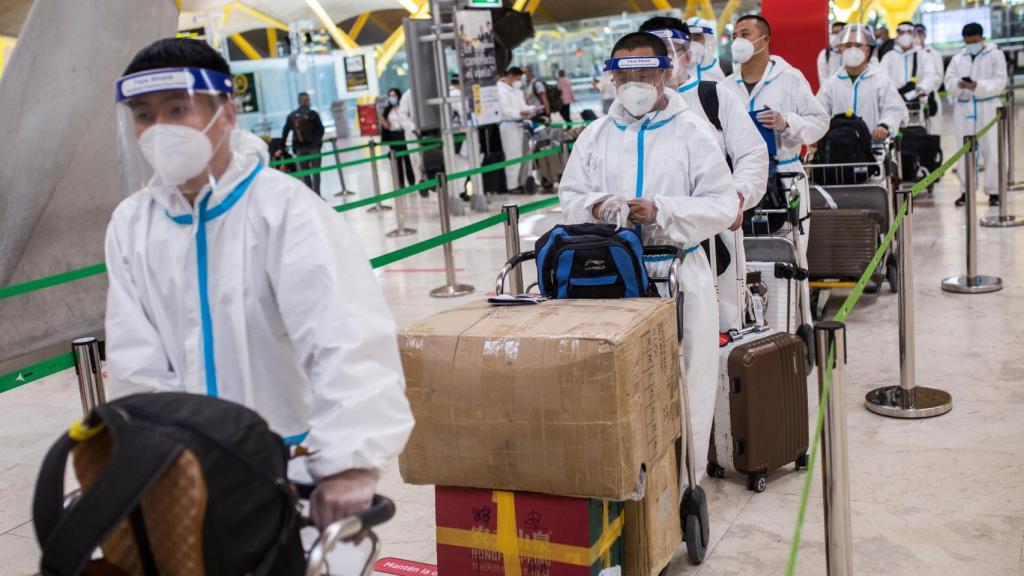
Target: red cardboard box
501,533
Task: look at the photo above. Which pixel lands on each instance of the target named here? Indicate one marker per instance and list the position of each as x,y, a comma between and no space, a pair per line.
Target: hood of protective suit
623,118
247,149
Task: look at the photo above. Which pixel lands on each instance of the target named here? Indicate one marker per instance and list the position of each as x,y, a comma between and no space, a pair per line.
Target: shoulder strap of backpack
708,94
913,72
69,537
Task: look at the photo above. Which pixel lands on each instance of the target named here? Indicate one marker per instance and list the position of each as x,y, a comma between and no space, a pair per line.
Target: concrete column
59,171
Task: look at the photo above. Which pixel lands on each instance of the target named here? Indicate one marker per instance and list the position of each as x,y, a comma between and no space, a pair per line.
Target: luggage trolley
865,187
770,243
381,510
693,509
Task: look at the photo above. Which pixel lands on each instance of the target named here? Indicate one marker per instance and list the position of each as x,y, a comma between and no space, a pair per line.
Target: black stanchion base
399,232
918,402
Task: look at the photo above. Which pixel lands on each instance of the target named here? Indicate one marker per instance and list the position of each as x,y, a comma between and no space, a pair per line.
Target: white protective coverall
976,108
669,156
407,112
513,140
898,64
784,89
262,295
939,65
710,67
872,96
829,62
741,142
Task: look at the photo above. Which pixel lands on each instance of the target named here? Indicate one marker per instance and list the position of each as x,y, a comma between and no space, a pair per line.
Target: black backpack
591,261
919,149
554,96
848,141
707,92
250,522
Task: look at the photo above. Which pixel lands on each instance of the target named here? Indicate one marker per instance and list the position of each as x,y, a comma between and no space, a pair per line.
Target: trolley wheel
892,273
873,287
715,471
531,185
757,482
801,461
816,313
806,333
693,514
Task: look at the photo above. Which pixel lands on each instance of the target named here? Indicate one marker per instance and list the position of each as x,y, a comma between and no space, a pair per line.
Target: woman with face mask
861,89
913,73
392,131
232,280
652,163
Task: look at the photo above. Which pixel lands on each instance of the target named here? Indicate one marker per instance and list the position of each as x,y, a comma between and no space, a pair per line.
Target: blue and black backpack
591,261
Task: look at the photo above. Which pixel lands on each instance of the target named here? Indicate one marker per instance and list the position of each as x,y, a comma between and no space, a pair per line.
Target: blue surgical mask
393,100
976,48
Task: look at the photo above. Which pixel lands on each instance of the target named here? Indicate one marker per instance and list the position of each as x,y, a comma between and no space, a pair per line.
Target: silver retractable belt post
1004,219
400,228
512,245
835,473
89,369
341,173
908,400
972,283
375,175
451,288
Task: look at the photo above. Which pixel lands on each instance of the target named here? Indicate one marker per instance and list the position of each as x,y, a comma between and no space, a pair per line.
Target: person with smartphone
976,78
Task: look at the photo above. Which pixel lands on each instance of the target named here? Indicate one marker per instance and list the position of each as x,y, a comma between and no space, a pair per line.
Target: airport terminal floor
937,496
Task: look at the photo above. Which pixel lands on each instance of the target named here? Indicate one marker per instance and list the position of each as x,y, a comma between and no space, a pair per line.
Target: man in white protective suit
976,78
230,279
513,110
829,61
652,162
911,70
740,142
921,41
780,99
704,63
861,89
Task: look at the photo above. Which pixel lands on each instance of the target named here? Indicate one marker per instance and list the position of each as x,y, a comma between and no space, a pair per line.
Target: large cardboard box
523,534
564,397
652,533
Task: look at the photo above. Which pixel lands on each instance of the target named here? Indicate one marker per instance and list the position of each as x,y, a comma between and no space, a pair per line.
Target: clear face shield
639,81
855,44
702,46
905,36
171,123
677,42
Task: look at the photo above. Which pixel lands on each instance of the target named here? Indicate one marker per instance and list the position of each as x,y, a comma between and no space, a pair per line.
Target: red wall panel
799,32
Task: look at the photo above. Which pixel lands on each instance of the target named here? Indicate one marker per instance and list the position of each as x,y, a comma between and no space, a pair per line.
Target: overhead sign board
483,4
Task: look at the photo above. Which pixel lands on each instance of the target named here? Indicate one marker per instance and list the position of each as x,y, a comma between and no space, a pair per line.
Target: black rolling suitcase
918,150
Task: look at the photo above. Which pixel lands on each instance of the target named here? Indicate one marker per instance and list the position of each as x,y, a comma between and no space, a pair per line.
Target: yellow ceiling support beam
358,26
389,48
707,11
340,38
661,5
691,9
410,5
271,42
634,6
6,47
531,7
726,16
519,5
261,16
245,47
545,14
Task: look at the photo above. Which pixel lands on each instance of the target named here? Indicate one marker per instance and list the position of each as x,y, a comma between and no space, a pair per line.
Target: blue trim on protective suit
296,439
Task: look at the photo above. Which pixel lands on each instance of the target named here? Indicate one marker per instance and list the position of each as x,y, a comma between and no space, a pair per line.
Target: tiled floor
932,497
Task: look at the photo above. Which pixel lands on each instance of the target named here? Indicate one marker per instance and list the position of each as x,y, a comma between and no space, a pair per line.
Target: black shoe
961,200
993,200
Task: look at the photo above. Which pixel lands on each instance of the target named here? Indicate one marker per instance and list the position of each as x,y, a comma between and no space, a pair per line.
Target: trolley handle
511,265
380,511
673,275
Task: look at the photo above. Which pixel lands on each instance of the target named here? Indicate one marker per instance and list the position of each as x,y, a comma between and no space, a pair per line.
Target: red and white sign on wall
403,568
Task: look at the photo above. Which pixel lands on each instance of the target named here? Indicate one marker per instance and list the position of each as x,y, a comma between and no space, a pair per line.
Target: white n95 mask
975,49
637,97
177,153
853,57
833,40
905,41
742,50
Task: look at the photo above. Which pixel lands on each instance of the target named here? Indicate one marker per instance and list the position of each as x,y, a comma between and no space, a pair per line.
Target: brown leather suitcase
842,242
761,410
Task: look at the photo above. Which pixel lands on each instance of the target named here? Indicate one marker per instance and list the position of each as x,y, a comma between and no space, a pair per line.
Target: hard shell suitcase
842,242
779,313
761,410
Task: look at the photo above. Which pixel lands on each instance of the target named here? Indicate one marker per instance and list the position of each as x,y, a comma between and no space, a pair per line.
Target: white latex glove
613,210
341,495
642,211
772,119
912,95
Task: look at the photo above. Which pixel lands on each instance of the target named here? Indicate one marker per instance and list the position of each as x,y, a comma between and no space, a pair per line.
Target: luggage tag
515,299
